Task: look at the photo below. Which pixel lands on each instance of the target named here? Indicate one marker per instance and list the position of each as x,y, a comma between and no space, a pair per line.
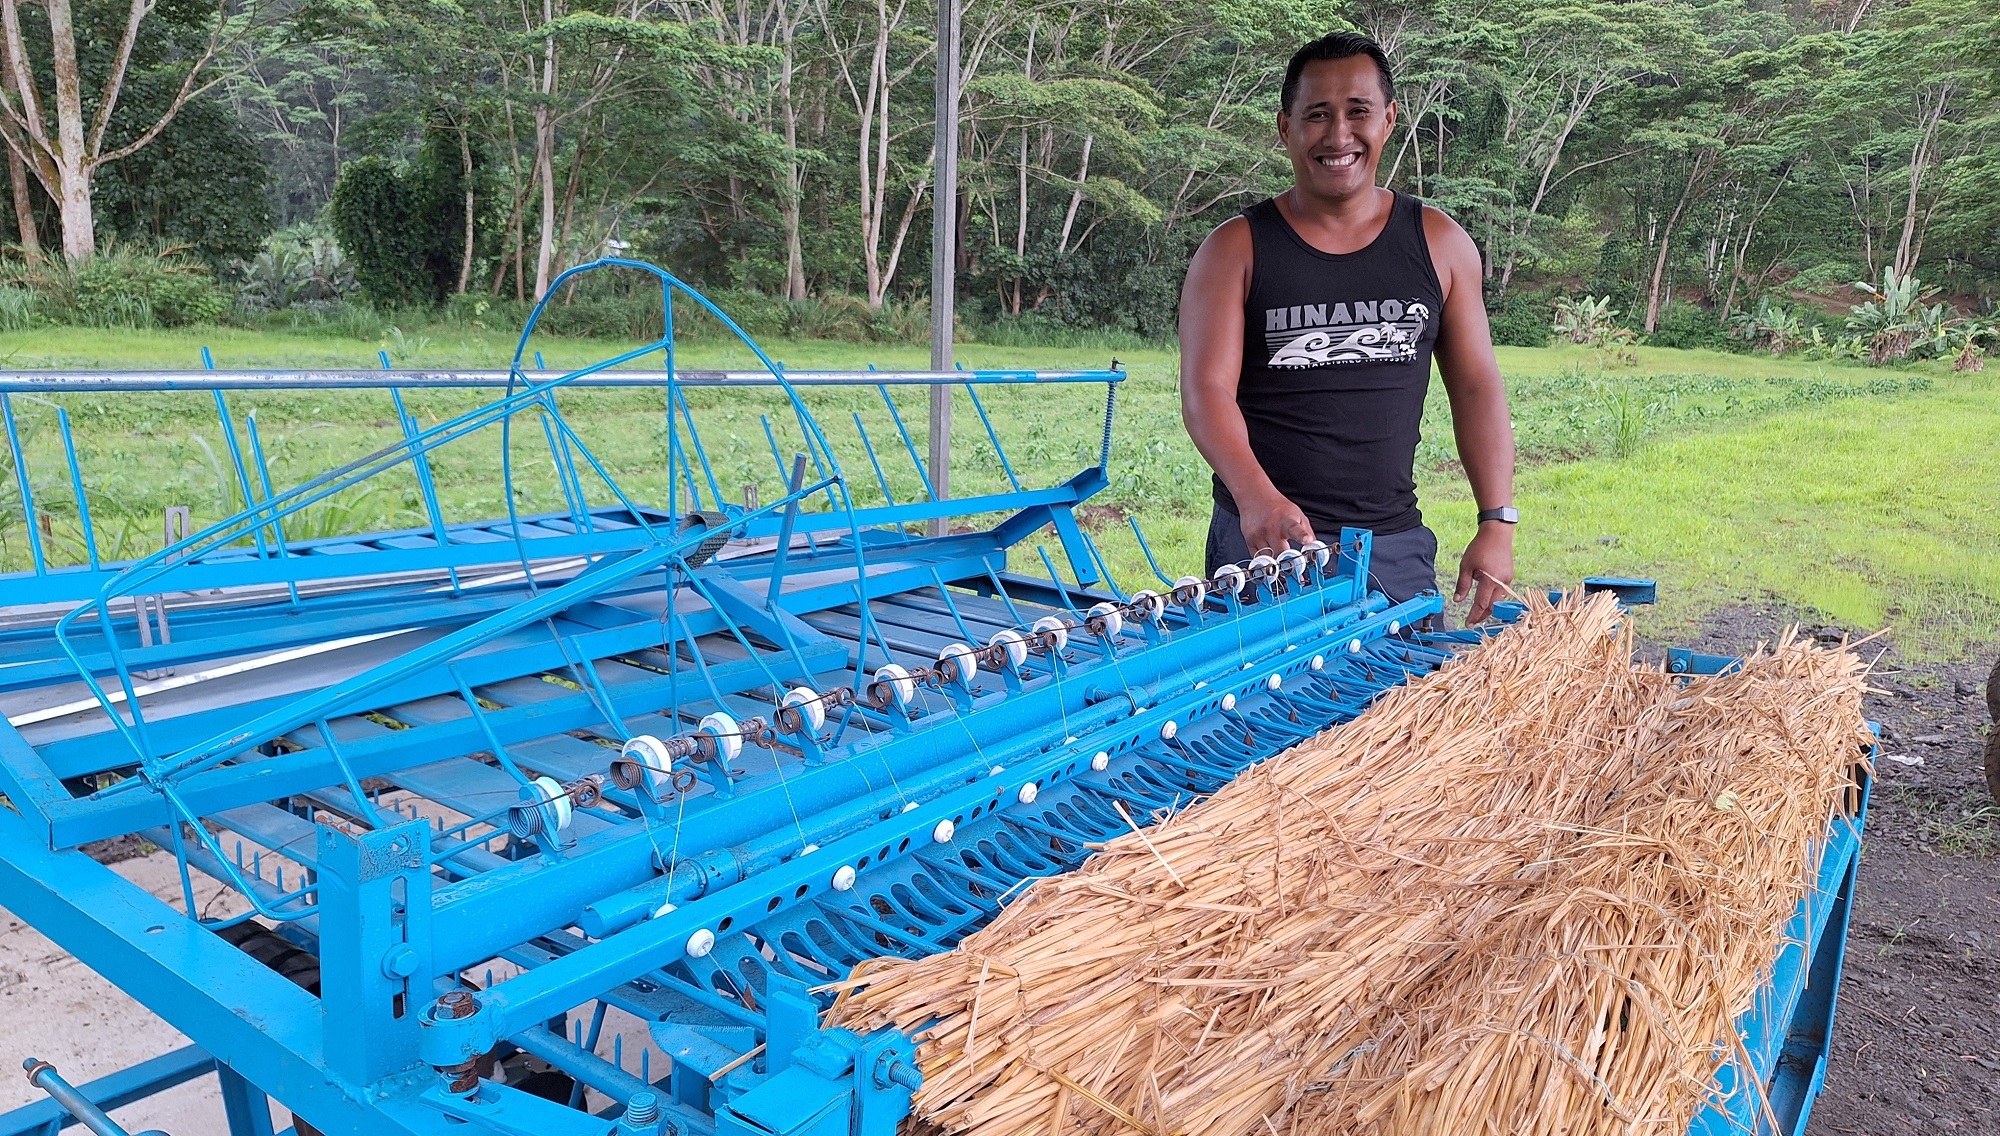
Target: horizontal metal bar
97,382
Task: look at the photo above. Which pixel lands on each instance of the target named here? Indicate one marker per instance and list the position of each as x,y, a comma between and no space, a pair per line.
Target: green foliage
122,286
298,266
1590,321
1690,326
20,308
403,227
1775,325
1521,319
202,184
1897,323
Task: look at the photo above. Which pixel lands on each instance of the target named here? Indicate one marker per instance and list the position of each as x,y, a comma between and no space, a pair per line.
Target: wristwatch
1505,514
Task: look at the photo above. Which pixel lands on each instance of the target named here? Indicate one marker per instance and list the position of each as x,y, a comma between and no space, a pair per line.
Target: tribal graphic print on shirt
1318,335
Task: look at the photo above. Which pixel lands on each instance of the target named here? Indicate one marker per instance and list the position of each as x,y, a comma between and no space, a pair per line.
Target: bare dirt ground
1915,1045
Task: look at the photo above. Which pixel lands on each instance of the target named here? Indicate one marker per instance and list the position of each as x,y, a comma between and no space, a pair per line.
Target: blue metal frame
688,762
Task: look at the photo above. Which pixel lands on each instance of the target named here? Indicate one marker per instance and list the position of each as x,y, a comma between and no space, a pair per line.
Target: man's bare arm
1480,420
1218,281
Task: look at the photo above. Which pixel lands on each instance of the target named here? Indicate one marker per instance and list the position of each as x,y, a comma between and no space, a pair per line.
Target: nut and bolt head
461,1079
457,1004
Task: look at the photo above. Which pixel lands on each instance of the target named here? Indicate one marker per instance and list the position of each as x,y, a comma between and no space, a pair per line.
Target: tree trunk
17,167
1021,226
795,260
1931,113
72,171
24,208
1076,195
545,159
465,260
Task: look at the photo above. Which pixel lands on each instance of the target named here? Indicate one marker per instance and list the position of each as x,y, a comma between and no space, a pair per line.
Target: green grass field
1868,497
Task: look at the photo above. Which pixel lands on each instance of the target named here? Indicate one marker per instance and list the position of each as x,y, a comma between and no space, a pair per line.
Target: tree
402,226
66,136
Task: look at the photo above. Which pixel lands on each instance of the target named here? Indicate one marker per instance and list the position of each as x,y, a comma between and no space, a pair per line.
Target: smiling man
1308,326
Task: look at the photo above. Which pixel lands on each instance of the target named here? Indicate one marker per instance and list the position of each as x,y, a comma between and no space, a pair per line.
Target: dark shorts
1401,564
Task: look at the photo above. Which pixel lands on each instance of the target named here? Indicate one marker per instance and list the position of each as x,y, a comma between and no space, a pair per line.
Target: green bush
1689,325
20,308
300,265
403,225
1521,319
123,286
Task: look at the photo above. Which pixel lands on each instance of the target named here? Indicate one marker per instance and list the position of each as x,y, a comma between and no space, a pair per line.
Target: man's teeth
1340,161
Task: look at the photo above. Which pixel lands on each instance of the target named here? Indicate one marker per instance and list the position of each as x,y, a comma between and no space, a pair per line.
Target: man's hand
1272,524
1488,563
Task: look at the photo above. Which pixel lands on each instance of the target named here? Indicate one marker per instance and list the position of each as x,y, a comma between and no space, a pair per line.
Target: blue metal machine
478,782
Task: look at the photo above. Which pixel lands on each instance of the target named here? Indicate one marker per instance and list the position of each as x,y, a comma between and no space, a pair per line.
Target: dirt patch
119,849
1098,518
1914,1048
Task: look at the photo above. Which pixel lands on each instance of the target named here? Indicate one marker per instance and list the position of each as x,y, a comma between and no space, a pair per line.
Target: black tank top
1336,363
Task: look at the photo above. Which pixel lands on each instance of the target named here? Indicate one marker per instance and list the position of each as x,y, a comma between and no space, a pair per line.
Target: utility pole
944,247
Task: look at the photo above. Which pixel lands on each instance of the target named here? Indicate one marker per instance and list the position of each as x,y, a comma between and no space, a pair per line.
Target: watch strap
1505,514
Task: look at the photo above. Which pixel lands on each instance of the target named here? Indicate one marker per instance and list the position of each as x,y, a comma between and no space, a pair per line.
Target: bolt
643,1108
891,1071
399,962
457,1004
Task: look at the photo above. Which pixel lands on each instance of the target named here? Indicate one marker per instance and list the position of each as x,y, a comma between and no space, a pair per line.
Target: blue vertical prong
28,517
1148,551
76,488
264,476
880,480
784,549
426,484
250,501
923,472
993,436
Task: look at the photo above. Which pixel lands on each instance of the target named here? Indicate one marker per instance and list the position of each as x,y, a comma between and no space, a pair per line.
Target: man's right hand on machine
1271,523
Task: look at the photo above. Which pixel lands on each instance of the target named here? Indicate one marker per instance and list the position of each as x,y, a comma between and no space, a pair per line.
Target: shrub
1778,326
1521,319
1897,323
403,226
20,308
124,286
1692,326
1591,321
299,265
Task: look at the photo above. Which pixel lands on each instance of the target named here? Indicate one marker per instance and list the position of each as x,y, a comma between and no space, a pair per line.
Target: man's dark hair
1336,45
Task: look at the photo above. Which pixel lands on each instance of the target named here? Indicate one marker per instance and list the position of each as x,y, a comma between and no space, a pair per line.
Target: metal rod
76,488
28,517
999,450
92,382
43,1076
944,248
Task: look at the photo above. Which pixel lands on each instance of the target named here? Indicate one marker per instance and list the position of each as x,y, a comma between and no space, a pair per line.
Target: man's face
1337,126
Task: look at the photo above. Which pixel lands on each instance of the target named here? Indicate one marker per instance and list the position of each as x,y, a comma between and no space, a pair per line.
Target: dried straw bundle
1530,893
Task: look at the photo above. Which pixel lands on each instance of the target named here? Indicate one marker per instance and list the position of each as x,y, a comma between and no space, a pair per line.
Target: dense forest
1698,167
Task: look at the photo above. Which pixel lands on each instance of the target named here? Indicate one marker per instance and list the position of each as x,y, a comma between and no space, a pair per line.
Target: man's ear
1284,128
1392,114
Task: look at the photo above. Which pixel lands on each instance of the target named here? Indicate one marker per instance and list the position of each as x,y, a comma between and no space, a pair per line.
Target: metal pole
944,251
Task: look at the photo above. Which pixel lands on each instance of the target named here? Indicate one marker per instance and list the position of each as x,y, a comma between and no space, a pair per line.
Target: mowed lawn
1866,497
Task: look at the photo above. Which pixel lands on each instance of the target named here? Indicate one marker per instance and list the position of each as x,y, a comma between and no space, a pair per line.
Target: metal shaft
43,1076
